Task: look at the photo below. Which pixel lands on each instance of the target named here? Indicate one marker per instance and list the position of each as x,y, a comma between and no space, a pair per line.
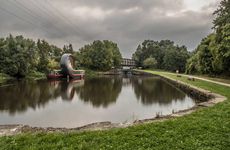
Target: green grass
219,79
205,129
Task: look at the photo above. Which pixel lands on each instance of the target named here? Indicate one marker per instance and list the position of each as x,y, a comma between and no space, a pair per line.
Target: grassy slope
207,128
36,76
4,77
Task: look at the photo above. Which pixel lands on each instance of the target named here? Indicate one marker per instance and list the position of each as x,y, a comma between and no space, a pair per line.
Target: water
62,104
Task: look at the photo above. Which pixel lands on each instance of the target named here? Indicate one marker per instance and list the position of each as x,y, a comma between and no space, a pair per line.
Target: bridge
127,65
126,62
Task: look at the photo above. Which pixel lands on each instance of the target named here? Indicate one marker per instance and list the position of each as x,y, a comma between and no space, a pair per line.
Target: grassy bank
207,128
219,79
31,76
36,75
4,77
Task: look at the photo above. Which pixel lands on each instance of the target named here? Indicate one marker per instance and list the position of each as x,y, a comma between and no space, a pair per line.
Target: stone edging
208,99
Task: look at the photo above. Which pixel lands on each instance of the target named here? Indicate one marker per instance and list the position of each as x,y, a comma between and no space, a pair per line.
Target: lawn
206,129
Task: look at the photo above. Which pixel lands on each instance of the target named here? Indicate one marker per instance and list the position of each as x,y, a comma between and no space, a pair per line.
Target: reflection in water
70,104
152,90
34,94
100,91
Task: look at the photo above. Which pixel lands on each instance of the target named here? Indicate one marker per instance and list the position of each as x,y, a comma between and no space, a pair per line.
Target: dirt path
199,78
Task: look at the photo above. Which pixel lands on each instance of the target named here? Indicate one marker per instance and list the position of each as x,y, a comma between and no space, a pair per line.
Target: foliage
212,56
53,64
35,75
201,61
68,49
17,55
43,49
168,56
99,55
20,57
222,16
150,62
4,77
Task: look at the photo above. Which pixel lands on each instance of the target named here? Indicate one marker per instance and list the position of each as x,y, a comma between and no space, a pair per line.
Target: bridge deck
128,62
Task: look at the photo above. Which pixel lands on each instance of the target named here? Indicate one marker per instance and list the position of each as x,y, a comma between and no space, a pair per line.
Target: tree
222,16
201,61
20,56
168,56
176,58
150,62
68,49
100,55
43,49
212,56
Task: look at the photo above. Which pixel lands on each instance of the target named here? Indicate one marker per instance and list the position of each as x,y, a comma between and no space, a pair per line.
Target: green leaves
222,15
150,62
20,56
100,55
212,55
167,55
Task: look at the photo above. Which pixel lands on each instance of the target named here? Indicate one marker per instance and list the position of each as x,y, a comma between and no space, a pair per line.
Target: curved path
199,78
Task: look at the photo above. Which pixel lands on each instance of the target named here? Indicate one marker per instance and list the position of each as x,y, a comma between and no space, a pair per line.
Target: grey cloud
127,22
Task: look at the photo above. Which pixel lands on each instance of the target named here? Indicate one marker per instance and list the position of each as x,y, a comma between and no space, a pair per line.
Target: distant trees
212,56
99,55
20,56
167,55
68,49
17,55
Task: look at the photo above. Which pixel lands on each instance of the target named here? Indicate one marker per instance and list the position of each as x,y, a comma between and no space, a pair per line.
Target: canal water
76,103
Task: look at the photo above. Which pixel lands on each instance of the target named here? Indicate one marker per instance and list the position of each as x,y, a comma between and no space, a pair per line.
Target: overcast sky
126,22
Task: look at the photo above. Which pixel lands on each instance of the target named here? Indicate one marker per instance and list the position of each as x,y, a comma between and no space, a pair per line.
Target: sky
126,22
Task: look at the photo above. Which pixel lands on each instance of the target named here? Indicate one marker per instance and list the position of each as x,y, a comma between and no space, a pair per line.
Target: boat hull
60,76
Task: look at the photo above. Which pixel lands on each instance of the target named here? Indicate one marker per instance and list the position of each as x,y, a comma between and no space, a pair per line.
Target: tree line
212,55
162,54
20,56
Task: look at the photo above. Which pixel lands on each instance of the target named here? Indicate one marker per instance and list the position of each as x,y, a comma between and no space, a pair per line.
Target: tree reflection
101,91
34,94
154,90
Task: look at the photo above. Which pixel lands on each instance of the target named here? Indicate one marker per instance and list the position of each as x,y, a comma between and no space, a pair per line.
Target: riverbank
4,78
206,128
36,76
31,76
39,76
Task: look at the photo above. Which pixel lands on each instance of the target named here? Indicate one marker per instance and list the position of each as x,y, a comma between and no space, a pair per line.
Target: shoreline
208,99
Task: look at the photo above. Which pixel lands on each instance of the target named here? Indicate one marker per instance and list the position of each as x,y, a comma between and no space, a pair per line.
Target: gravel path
199,78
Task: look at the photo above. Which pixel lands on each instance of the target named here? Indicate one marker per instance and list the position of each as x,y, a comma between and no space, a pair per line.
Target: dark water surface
76,103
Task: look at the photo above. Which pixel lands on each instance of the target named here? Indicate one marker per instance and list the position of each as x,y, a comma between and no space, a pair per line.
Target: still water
76,103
